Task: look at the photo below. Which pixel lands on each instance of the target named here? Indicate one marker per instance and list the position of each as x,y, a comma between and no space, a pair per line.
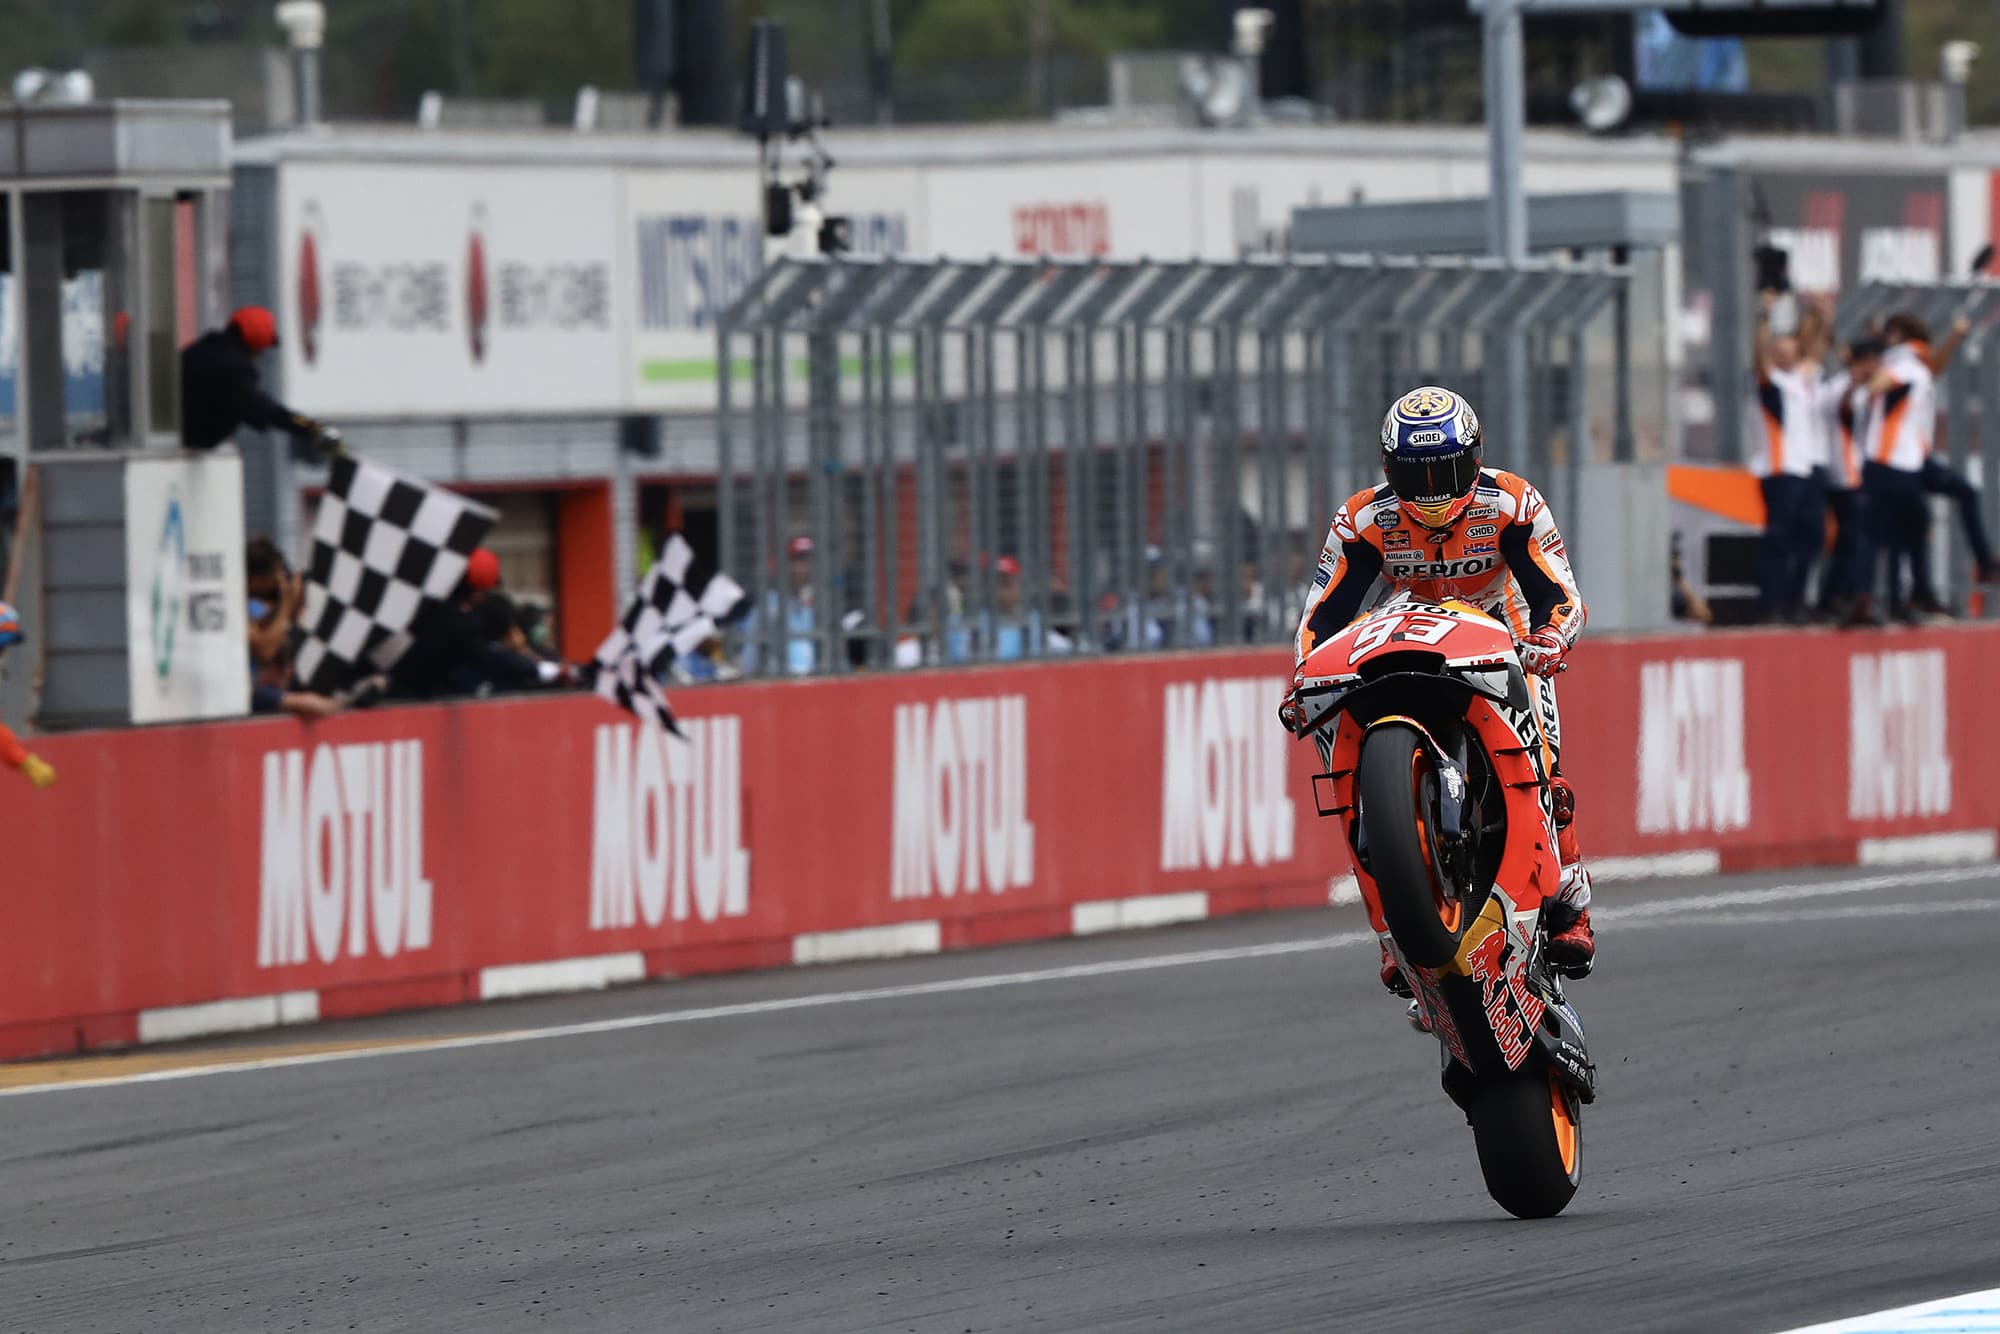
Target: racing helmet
1431,453
10,627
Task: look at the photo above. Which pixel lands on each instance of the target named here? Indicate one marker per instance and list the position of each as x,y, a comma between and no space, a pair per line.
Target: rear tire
1423,911
1530,1142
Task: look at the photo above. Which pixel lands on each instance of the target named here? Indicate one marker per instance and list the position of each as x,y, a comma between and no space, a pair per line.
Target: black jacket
220,393
450,655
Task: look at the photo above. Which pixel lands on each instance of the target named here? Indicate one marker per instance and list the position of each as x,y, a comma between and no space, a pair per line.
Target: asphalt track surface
1797,1122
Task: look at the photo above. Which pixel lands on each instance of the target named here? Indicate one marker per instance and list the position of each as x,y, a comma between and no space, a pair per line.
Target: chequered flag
671,614
382,547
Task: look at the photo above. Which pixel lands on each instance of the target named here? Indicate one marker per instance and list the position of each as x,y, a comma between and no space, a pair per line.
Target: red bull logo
477,303
311,307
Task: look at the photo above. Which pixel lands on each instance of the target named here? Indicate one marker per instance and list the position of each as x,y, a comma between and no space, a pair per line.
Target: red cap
258,326
482,569
1007,565
800,546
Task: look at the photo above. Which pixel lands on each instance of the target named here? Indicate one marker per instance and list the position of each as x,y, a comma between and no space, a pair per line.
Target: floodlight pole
1505,59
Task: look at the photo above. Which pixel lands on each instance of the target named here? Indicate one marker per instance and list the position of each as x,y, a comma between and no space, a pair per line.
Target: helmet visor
1436,480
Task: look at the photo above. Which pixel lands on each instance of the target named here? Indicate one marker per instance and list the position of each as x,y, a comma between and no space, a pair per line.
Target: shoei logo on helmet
1424,438
1428,401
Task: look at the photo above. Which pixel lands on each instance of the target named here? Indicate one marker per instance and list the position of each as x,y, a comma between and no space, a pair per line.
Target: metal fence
1010,459
1968,392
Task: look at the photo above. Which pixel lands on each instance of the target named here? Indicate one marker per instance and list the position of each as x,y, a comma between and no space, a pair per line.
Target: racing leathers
1503,555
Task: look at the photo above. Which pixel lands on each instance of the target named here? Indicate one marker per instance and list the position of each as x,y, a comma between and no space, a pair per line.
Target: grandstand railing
1157,447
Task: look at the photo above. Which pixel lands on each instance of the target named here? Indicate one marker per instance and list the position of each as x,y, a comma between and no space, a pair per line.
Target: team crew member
1940,478
1493,539
221,391
1896,442
1847,589
12,753
1790,452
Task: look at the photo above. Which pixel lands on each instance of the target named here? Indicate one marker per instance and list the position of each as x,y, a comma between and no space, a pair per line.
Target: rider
1444,528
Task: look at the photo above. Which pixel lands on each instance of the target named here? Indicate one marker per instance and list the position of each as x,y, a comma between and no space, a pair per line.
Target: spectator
274,594
707,662
535,623
451,653
1113,627
1065,628
1160,614
221,391
1015,626
1897,436
1788,459
271,690
499,622
1938,477
957,627
1259,619
801,649
1201,630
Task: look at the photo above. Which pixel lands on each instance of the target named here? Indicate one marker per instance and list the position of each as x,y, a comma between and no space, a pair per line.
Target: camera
777,110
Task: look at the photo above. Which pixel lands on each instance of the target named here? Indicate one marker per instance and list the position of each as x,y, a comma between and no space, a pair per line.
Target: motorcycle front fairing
1452,673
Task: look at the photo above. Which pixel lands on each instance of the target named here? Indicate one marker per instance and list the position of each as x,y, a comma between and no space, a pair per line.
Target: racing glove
1542,652
1289,712
38,771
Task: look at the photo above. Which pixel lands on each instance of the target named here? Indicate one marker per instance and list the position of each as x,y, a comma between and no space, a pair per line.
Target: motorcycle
1438,765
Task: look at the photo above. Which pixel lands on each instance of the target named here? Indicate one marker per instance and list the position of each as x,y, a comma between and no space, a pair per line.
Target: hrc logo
1426,402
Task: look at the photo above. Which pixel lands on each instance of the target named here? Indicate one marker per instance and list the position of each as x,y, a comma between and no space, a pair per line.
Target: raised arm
1947,347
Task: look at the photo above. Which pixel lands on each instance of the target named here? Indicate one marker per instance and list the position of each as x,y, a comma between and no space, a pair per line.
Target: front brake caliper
1453,793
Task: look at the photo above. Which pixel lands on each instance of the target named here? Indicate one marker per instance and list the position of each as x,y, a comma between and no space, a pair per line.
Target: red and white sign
180,879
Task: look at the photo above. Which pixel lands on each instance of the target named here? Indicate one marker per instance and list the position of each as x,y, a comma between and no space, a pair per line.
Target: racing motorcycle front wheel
1398,785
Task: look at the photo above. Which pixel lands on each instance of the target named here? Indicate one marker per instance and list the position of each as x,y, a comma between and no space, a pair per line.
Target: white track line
1647,914
1789,893
1774,916
1948,1315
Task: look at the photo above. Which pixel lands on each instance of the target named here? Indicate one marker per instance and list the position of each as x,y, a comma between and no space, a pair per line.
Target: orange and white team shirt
1503,555
1844,408
1900,425
1790,417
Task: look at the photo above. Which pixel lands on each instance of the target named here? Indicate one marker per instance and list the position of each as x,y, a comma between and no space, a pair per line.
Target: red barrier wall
391,858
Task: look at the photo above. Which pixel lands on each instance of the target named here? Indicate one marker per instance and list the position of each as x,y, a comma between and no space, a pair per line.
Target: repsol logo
667,825
1223,781
1692,773
1398,568
342,854
1899,737
961,807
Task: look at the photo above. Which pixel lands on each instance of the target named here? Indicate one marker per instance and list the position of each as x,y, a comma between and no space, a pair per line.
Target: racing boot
1392,973
1572,948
